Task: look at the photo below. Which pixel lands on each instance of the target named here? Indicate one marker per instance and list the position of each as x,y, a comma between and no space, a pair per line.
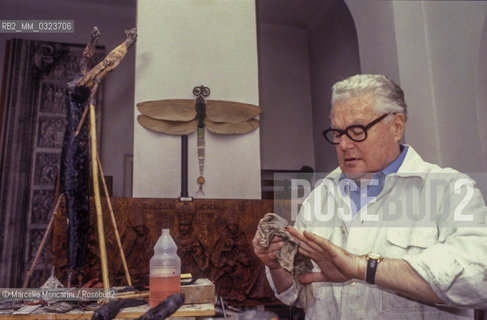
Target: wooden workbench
199,302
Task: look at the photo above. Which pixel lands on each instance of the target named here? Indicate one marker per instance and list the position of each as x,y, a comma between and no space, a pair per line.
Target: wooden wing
171,109
232,128
229,111
176,128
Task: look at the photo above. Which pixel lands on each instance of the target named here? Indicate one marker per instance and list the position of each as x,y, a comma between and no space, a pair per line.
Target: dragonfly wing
176,128
229,111
173,109
232,128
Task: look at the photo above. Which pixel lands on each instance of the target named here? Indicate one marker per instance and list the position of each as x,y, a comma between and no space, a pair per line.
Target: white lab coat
433,218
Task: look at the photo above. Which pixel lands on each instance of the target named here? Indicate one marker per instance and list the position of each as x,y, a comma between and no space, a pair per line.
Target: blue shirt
361,195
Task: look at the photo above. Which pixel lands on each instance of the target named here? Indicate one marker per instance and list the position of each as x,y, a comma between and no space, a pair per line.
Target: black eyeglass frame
346,130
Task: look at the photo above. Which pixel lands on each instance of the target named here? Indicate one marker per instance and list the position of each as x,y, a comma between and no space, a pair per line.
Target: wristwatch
373,259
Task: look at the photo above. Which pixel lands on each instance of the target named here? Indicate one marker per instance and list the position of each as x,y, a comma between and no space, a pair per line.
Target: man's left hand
336,264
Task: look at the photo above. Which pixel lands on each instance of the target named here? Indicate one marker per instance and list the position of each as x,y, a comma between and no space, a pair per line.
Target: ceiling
122,3
295,13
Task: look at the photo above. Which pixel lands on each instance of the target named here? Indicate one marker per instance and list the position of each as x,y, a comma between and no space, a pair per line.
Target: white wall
453,31
333,56
112,20
375,28
285,95
183,44
441,52
297,66
481,90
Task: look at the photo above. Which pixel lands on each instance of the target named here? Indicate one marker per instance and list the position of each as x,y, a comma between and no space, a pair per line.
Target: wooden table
199,302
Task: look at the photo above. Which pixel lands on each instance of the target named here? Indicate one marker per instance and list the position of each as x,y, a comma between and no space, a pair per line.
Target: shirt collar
396,164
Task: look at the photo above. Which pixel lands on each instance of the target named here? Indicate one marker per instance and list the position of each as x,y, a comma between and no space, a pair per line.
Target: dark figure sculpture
75,175
75,164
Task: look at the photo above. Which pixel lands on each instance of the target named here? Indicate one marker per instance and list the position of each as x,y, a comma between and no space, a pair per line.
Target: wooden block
202,291
186,310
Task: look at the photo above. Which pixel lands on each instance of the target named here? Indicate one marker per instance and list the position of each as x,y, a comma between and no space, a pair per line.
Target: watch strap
371,270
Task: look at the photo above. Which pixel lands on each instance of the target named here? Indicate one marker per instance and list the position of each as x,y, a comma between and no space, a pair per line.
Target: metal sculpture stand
96,185
184,170
43,242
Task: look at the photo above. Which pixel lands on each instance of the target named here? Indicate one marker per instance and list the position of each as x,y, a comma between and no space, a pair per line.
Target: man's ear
398,124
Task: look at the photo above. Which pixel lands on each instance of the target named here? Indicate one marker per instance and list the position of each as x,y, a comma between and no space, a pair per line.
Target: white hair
388,96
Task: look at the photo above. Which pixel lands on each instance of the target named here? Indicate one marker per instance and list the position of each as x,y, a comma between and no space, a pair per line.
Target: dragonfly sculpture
185,116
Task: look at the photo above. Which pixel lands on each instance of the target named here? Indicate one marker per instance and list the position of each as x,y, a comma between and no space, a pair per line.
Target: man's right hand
281,278
268,255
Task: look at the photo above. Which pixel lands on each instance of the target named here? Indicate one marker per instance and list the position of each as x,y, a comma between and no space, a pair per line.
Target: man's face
360,159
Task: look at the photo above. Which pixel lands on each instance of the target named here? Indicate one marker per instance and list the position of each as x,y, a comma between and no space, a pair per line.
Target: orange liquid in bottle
163,287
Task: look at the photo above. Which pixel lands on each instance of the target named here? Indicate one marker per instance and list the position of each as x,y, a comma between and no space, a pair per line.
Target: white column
188,43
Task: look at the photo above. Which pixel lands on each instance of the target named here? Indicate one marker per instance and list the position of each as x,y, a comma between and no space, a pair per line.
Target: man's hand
336,264
282,279
268,255
339,265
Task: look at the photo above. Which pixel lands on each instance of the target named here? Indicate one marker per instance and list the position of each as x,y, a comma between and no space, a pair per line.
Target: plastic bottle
165,270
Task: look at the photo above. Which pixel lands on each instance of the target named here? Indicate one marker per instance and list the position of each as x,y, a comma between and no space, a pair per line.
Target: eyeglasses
356,132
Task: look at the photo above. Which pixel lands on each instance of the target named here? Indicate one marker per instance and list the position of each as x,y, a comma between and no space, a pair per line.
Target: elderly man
375,228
